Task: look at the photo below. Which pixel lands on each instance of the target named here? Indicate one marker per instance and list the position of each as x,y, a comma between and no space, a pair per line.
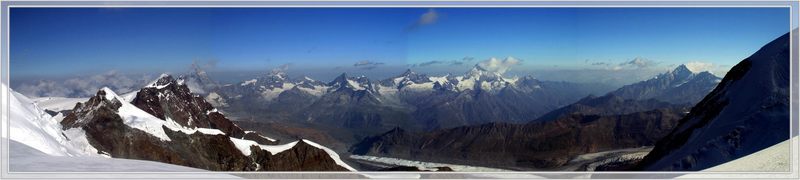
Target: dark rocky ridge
609,104
107,132
170,98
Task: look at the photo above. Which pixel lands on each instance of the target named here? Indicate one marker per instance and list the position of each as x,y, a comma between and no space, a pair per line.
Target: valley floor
387,162
585,162
588,162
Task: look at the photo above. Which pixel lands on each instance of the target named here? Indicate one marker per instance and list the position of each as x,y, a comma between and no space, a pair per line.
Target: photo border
5,7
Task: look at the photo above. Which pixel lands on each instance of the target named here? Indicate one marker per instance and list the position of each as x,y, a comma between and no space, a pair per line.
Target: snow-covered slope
776,158
24,158
28,159
57,103
333,155
31,126
747,112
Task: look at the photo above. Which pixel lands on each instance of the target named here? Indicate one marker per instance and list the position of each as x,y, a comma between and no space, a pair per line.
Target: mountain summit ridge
166,122
748,111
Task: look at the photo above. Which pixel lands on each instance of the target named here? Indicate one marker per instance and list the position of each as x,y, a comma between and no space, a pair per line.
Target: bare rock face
609,104
302,157
171,101
168,98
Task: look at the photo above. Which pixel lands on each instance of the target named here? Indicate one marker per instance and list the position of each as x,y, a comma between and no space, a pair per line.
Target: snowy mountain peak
342,78
198,71
478,72
278,73
683,71
408,72
163,75
198,80
306,78
497,66
108,94
409,77
681,85
354,83
162,81
683,67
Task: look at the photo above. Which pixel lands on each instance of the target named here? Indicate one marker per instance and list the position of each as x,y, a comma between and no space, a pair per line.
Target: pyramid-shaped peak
162,81
682,71
107,93
408,72
198,70
342,78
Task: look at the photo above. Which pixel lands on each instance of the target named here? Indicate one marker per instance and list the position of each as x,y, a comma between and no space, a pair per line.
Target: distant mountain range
748,111
350,108
678,86
410,100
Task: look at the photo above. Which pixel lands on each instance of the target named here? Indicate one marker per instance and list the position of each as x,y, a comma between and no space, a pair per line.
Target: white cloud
639,62
697,66
368,65
429,17
499,66
85,86
635,63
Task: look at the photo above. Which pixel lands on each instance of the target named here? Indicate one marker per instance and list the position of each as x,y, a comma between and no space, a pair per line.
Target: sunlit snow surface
776,158
332,154
26,159
31,126
244,146
262,136
58,103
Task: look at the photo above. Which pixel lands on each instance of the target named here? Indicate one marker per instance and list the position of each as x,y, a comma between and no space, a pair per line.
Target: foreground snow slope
747,112
27,159
24,158
776,158
31,126
773,159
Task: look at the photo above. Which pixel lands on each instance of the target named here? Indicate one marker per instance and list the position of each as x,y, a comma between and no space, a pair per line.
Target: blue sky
67,41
